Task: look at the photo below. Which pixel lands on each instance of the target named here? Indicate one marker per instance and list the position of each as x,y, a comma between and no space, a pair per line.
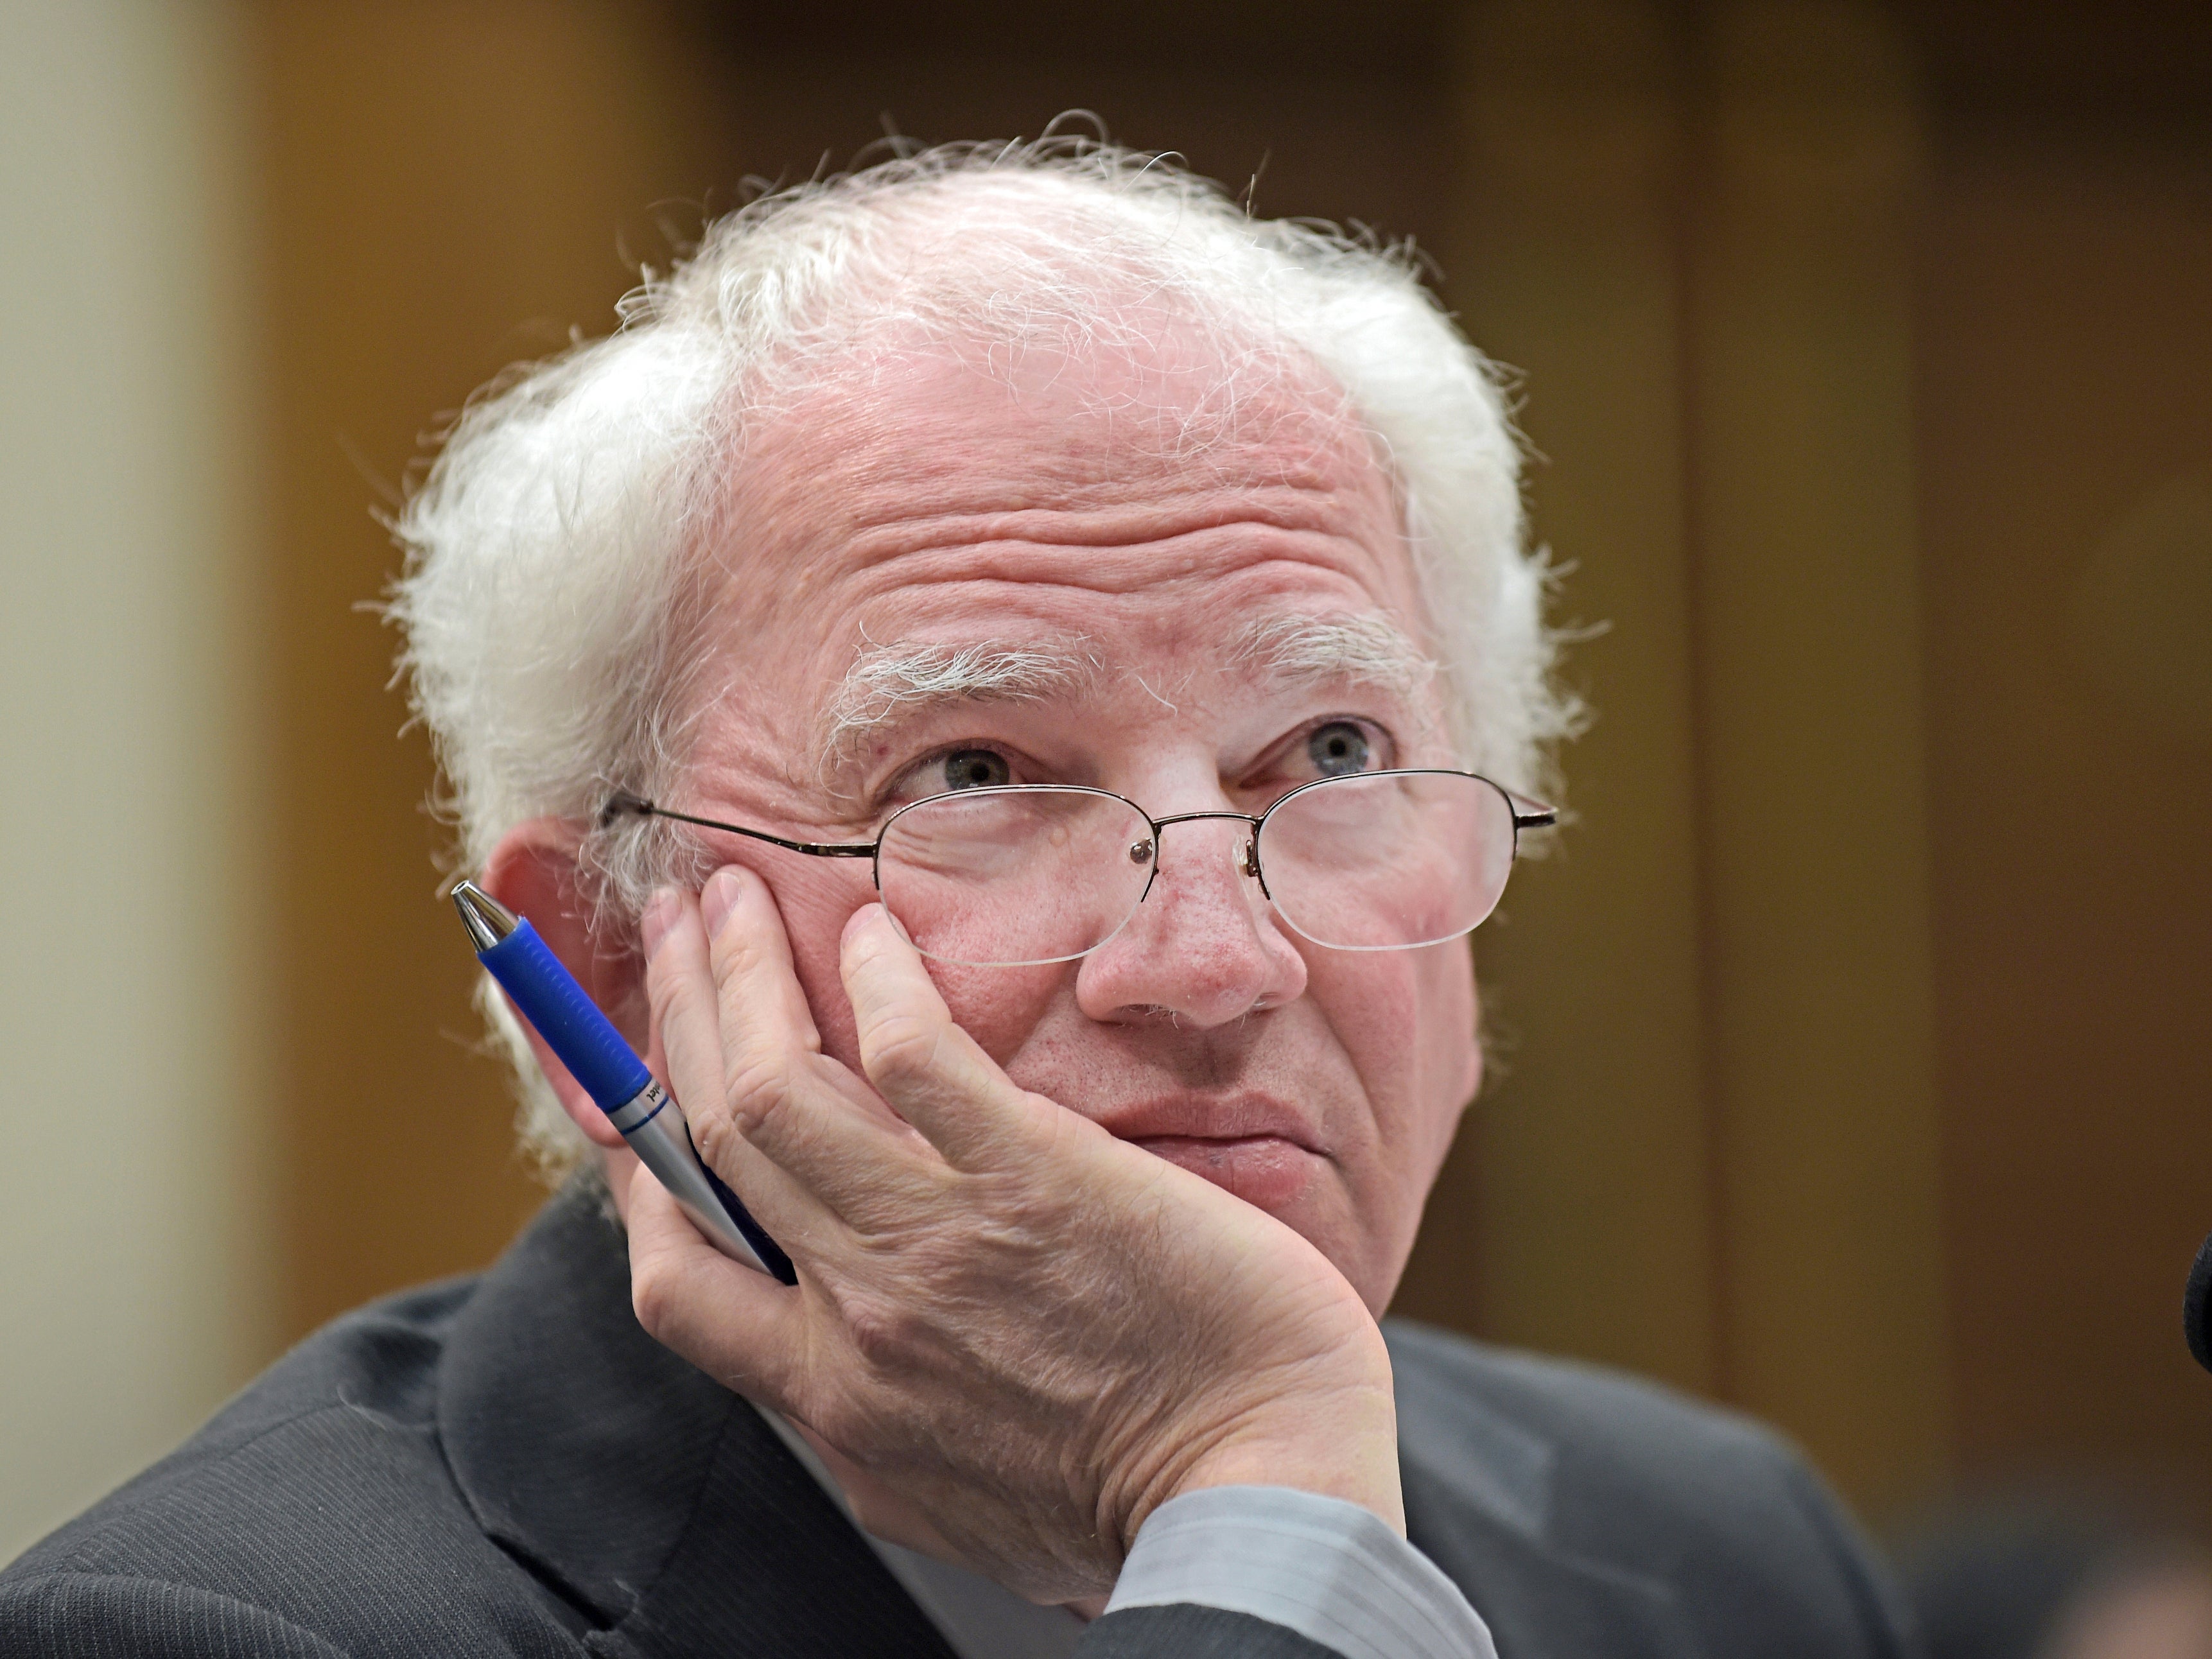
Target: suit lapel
652,1501
768,1567
1482,1495
1541,1603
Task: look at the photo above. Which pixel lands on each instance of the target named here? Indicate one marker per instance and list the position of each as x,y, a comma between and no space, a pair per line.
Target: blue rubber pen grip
570,1022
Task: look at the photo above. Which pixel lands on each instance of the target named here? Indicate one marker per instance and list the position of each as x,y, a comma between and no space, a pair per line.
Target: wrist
1344,1446
1334,1435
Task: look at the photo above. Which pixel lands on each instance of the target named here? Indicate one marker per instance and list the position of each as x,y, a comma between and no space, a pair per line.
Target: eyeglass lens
1016,877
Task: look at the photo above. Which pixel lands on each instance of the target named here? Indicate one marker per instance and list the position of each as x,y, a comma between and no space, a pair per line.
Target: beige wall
134,1293
1714,1154
2067,367
451,186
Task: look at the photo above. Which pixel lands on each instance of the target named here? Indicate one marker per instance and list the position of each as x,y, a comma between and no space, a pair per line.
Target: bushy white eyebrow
890,683
1361,647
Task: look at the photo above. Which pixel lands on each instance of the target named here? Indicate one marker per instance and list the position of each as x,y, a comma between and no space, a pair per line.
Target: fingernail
660,916
860,921
717,898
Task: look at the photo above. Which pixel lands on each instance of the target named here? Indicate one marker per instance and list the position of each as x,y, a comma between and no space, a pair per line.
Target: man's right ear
533,873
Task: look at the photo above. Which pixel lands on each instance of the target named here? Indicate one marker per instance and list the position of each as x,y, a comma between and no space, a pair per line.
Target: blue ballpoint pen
610,1071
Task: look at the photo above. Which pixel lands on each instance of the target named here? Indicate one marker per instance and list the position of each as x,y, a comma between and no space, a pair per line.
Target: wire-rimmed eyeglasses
1020,875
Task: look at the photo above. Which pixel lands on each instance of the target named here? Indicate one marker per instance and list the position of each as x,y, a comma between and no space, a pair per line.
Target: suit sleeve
1295,1565
1886,1623
72,1615
1194,1632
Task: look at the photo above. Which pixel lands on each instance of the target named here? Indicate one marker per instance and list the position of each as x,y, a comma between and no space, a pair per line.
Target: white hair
552,597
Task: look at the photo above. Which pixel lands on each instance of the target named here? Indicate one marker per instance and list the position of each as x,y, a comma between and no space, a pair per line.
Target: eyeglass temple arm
1531,814
636,807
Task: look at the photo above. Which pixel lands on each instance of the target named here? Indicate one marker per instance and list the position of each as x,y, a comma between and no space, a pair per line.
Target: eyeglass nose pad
1248,858
1140,852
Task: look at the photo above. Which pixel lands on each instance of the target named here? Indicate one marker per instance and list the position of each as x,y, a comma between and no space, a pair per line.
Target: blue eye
976,769
1338,748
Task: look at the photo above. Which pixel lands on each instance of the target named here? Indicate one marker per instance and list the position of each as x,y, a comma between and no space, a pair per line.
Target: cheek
1407,1021
815,902
999,1007
1451,1047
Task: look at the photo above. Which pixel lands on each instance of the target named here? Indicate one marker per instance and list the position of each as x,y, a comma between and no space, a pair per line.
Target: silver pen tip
487,920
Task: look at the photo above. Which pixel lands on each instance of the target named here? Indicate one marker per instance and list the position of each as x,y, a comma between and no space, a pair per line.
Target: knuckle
901,1048
653,1297
885,1334
735,956
760,1081
712,1132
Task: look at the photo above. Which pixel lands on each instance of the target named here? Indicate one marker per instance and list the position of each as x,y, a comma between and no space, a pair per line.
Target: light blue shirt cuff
1328,1569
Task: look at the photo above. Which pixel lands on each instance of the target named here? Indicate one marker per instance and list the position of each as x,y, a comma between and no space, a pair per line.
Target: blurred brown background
1852,1047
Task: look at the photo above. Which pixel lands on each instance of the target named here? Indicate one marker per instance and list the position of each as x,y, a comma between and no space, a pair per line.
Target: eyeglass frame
1527,814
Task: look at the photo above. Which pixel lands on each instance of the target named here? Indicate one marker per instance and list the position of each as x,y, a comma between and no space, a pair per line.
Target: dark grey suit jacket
508,1464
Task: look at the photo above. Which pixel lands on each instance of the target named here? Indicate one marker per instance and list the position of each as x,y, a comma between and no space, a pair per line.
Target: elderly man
1012,680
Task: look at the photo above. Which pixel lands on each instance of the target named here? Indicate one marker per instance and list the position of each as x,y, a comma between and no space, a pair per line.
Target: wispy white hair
549,597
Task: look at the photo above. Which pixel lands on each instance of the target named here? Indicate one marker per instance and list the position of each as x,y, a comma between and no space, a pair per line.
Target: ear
533,873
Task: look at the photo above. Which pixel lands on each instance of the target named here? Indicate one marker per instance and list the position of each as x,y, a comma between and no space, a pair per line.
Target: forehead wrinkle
909,463
1177,536
891,685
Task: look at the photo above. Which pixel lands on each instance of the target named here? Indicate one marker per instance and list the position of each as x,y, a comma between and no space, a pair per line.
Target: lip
1216,1117
1259,1147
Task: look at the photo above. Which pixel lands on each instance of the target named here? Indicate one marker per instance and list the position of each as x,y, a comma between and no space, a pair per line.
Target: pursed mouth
1266,1170
1198,1119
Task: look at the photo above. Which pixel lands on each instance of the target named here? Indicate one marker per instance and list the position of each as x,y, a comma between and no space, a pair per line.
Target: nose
1204,945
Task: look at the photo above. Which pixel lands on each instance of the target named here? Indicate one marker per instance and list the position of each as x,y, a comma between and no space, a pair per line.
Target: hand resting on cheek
1024,1335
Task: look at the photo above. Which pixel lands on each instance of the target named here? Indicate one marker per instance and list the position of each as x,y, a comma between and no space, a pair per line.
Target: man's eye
1337,748
976,769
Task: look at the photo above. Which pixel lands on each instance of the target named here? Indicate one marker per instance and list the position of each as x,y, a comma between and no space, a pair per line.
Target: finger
739,1326
798,1106
620,1163
686,1032
767,1110
933,1073
753,957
